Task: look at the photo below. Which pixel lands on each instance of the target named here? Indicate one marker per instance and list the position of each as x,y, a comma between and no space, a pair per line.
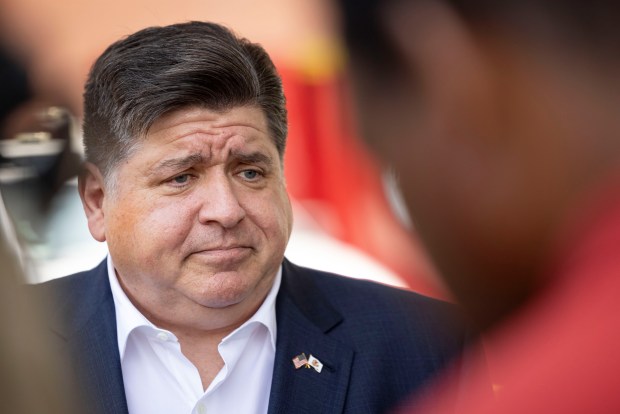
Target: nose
219,202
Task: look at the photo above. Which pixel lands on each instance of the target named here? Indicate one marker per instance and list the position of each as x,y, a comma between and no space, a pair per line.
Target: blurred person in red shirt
501,121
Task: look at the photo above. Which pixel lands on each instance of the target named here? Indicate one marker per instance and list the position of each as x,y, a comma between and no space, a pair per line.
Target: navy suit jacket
378,344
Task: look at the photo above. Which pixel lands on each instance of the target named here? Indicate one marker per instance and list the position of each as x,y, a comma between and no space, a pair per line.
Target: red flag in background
330,172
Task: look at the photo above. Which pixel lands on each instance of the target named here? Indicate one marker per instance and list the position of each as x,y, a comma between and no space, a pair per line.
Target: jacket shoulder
73,299
77,282
349,295
373,313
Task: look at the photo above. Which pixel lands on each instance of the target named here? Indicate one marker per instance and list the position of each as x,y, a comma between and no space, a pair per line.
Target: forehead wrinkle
220,138
226,129
235,125
255,119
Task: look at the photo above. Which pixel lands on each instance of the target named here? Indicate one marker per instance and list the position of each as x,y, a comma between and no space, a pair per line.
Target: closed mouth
224,252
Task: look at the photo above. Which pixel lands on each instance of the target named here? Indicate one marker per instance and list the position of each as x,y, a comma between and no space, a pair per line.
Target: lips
224,253
224,248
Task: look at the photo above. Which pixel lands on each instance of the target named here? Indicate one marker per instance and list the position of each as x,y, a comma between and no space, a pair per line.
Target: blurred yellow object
319,58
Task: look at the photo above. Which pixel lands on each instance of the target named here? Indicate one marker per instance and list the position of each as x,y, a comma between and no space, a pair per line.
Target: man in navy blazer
377,344
196,309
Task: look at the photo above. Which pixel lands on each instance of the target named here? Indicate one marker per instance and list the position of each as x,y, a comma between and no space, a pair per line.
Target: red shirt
561,353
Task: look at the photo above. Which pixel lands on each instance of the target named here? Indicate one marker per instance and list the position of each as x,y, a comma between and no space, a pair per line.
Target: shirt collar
129,318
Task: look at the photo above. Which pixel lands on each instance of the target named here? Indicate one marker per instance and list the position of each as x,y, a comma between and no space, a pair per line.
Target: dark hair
157,70
589,26
370,48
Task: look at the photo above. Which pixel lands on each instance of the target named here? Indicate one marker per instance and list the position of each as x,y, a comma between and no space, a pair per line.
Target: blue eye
181,179
250,174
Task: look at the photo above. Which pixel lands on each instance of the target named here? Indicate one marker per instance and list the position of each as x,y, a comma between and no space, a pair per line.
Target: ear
92,193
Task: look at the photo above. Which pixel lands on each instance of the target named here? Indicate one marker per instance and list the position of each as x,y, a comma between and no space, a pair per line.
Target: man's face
200,217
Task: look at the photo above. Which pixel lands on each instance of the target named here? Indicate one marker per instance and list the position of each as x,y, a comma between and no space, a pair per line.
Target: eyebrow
254,157
180,163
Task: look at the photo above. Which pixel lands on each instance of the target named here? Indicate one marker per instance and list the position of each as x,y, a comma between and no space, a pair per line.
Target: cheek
271,212
168,222
142,226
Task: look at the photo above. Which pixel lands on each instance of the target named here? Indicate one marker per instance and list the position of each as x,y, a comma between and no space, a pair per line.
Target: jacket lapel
304,318
87,321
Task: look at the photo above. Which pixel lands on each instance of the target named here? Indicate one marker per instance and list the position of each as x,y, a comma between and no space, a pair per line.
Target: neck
202,351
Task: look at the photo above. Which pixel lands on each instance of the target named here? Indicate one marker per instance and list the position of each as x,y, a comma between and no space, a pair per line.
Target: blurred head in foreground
33,378
501,121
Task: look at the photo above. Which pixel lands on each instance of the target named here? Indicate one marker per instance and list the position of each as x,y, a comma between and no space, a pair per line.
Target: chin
225,300
222,296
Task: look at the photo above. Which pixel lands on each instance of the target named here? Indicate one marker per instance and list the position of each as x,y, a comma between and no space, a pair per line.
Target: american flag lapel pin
300,361
315,363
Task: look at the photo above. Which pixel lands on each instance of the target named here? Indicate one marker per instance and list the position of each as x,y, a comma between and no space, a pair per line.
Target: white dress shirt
159,379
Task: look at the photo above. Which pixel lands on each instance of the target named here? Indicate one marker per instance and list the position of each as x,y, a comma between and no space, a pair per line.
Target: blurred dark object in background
33,165
35,135
42,151
15,88
36,153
